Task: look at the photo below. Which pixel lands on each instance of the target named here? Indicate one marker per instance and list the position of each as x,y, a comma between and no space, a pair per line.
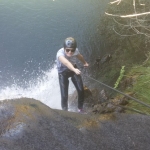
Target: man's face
69,51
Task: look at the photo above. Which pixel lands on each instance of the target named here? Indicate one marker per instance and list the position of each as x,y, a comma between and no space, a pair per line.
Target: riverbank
128,69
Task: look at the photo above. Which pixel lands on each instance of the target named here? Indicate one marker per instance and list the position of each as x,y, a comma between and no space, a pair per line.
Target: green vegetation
120,77
128,40
141,86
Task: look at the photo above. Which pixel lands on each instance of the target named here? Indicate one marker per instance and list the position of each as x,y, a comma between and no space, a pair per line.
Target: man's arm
81,58
63,60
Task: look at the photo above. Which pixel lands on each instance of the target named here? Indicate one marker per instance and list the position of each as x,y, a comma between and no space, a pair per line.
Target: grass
141,87
140,75
129,51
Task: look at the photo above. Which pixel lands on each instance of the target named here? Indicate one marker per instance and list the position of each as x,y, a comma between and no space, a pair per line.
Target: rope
119,92
133,109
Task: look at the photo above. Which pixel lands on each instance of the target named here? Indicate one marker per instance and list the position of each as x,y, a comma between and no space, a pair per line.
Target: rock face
27,124
98,102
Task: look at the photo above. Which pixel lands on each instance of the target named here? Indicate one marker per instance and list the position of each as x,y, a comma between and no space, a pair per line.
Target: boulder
28,124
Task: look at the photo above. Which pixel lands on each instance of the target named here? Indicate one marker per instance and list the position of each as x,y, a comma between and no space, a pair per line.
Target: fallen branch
128,16
117,1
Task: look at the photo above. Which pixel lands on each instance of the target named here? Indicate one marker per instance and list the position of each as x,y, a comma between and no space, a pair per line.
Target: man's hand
77,71
86,64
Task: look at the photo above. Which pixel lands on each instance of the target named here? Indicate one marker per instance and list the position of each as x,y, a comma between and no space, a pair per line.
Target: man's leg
64,82
77,81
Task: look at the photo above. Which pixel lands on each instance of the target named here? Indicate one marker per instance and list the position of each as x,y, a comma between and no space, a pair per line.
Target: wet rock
129,132
87,92
120,101
27,124
123,101
119,110
103,96
109,108
88,99
98,109
127,82
104,108
95,95
97,63
106,58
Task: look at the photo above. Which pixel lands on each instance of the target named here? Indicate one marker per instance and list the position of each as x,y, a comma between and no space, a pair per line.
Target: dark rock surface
27,124
98,101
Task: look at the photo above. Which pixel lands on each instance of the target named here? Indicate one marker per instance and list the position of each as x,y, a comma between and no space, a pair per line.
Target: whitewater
31,34
45,89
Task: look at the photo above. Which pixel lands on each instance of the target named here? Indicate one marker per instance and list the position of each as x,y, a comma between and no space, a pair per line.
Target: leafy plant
120,77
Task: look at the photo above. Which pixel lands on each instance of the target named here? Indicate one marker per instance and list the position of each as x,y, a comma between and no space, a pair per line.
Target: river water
31,32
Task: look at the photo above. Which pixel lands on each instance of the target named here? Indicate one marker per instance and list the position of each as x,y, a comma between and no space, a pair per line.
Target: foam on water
46,89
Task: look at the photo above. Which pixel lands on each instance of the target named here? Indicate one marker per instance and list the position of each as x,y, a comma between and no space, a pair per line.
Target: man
66,64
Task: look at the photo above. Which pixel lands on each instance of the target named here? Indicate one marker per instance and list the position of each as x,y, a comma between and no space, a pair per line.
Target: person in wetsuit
66,64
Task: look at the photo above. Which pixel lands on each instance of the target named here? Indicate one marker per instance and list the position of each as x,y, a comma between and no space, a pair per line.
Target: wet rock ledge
27,124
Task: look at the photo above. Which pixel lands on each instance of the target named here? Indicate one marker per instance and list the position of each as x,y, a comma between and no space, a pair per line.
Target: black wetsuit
64,83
